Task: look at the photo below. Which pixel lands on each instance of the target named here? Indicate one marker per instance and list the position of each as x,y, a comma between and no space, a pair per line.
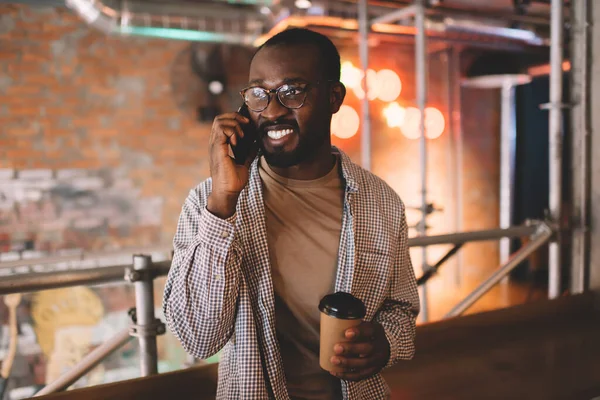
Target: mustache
264,126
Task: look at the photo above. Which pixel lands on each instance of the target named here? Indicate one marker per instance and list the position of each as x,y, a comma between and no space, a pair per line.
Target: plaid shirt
219,292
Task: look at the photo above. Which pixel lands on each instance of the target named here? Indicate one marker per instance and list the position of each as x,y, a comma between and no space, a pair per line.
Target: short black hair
300,36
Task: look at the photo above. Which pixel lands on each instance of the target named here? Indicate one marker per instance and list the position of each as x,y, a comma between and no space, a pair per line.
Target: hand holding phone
230,174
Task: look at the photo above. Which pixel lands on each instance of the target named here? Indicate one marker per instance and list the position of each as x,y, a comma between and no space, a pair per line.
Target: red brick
24,111
104,132
21,131
30,69
22,90
42,80
52,132
35,58
82,163
15,100
20,154
82,122
15,35
9,53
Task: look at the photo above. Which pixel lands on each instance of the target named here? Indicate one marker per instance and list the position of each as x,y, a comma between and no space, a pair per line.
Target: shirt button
224,234
218,277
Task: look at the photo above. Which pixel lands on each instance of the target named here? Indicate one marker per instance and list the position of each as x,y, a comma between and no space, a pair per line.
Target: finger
361,349
353,362
230,124
222,136
230,135
219,125
356,375
232,116
360,332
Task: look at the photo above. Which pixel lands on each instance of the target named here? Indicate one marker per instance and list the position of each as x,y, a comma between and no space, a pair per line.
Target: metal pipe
363,48
541,237
580,123
594,146
456,150
52,280
450,178
80,255
508,135
396,15
556,144
144,305
137,18
61,279
474,236
434,268
87,363
465,12
421,72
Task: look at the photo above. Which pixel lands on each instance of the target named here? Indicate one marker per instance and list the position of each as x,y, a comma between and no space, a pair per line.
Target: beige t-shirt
304,220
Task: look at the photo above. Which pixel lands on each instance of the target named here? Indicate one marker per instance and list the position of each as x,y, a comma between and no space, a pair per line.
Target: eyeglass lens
257,98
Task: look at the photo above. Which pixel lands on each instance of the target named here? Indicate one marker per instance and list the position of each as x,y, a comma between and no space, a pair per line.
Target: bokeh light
384,84
345,123
435,123
394,115
389,85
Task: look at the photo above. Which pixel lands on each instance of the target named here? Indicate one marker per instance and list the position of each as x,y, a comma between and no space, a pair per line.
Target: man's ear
336,98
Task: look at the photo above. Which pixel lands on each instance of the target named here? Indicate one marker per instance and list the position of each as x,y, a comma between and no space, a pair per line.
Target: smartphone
242,149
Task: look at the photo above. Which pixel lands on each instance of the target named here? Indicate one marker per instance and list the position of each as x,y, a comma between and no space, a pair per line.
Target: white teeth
279,134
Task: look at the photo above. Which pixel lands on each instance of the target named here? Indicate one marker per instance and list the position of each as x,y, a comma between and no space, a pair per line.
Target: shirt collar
348,169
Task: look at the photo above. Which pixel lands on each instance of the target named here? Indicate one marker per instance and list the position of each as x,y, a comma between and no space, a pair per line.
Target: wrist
222,206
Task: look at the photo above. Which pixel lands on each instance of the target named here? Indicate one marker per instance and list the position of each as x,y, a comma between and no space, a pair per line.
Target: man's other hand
364,355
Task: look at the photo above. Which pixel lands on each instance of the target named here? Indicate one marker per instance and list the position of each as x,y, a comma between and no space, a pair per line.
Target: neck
319,165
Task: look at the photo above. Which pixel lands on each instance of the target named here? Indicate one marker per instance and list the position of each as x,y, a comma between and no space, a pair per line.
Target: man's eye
257,92
294,91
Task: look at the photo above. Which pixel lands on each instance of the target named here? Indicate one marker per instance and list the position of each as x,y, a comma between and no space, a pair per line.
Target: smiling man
259,244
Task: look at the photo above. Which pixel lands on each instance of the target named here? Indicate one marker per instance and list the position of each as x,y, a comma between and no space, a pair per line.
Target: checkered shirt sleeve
399,311
202,286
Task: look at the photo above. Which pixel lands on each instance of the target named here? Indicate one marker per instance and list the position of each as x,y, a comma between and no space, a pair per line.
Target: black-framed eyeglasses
290,95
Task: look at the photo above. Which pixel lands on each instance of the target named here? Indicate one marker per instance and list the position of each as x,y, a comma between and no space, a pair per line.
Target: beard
304,151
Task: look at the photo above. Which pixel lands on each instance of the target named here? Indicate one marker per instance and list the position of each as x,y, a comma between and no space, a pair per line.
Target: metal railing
143,271
33,282
145,326
541,236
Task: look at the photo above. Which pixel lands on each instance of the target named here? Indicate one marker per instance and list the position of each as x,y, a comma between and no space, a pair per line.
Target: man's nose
275,110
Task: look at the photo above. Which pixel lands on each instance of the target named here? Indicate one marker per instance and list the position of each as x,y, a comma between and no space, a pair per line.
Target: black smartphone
242,149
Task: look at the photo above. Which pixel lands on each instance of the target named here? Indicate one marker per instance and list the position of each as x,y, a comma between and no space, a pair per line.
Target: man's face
287,136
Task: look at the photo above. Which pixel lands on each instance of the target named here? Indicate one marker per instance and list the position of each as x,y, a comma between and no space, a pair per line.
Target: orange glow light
389,85
394,115
435,123
384,84
371,83
350,76
345,122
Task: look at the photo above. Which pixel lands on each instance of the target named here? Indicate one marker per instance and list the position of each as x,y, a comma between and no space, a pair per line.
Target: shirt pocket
371,280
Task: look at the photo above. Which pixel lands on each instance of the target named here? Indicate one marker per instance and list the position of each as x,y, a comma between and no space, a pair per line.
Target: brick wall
72,98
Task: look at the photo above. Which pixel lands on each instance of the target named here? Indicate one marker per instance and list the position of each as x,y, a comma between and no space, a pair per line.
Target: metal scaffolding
556,141
418,10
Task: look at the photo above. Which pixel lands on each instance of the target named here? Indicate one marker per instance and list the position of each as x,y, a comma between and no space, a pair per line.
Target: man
259,244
